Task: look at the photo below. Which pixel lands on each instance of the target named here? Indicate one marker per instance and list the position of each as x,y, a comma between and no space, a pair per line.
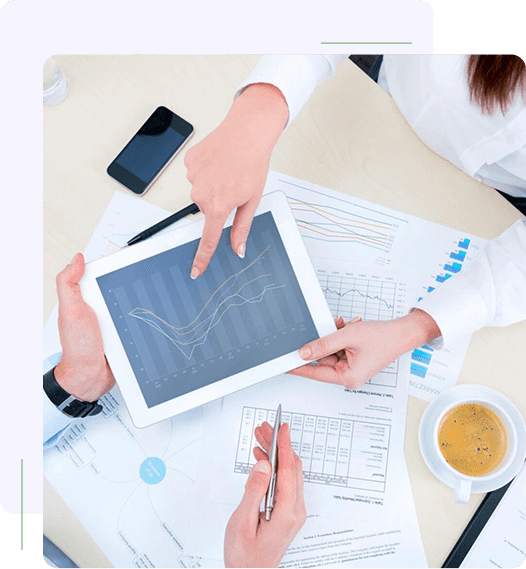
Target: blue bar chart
421,358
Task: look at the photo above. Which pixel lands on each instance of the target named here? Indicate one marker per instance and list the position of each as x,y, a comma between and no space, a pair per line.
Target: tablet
174,343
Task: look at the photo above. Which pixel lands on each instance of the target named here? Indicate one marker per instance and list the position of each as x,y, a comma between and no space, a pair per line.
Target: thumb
324,346
255,489
68,289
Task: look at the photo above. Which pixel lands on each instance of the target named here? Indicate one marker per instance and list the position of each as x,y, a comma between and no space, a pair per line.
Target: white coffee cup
513,422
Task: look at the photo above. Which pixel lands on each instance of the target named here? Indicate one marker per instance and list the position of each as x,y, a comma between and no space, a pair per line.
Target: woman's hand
250,540
228,169
359,350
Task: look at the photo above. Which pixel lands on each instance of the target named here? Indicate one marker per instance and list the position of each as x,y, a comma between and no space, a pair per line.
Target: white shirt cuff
458,313
490,291
296,76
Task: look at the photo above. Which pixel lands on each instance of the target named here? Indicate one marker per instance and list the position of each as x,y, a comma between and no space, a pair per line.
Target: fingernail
73,260
241,251
305,352
195,273
262,466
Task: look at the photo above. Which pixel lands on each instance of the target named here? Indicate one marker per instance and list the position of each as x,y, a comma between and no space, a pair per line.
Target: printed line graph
352,293
328,291
351,227
351,296
195,333
340,228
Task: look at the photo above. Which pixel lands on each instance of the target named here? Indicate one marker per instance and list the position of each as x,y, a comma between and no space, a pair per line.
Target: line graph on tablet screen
232,293
181,334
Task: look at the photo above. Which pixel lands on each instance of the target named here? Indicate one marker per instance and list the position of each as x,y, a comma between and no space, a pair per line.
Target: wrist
416,329
64,401
262,111
83,382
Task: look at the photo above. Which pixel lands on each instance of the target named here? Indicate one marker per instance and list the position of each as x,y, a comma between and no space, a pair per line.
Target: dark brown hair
494,80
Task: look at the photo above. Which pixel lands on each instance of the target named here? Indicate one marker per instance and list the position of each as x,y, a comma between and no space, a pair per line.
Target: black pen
192,208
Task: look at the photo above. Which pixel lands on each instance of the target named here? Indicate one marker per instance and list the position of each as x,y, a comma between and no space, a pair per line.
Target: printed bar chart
418,370
421,356
424,355
460,256
453,267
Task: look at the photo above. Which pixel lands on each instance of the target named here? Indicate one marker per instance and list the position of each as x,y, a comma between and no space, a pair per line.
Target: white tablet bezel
142,416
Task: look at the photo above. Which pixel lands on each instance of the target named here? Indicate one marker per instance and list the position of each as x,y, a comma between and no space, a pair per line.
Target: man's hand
83,370
359,350
250,540
228,169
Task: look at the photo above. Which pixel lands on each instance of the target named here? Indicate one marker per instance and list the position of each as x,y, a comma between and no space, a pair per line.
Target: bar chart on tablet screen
180,334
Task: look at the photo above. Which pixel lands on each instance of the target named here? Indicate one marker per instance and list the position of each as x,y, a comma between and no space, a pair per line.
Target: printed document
502,541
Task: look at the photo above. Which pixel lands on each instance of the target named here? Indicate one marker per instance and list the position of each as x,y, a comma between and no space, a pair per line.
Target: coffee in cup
472,439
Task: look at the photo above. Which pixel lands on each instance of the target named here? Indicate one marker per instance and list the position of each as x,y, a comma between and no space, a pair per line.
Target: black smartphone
148,153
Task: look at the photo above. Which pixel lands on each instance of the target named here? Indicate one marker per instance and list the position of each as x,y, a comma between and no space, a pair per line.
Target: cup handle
462,490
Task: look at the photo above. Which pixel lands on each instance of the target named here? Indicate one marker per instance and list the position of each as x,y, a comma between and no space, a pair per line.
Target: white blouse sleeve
490,291
296,76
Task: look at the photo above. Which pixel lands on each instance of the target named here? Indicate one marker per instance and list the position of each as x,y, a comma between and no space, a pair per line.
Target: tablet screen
181,334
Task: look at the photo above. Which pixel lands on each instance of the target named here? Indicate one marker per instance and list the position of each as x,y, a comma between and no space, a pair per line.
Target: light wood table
350,137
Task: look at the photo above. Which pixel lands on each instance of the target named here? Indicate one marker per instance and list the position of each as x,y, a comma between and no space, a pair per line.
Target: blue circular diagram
152,470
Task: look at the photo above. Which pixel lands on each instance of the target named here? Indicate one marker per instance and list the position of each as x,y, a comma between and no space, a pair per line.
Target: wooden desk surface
350,137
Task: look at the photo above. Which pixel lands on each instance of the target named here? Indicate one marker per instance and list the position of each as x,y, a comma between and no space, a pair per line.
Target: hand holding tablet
175,343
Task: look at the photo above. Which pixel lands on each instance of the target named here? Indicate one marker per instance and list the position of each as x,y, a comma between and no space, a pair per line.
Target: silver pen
273,457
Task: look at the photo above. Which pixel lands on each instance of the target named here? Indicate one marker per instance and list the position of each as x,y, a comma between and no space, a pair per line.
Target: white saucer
426,434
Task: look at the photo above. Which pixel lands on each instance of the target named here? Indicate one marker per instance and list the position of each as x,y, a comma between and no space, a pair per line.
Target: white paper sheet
351,445
502,541
132,489
338,226
326,542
